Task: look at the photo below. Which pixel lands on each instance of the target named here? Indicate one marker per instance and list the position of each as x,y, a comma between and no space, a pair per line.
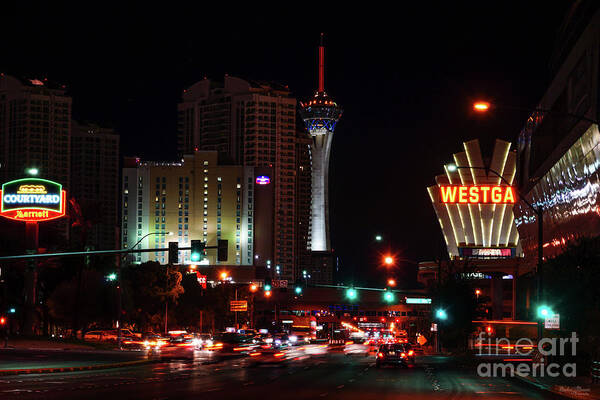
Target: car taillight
402,355
240,348
350,342
380,355
410,352
255,354
279,355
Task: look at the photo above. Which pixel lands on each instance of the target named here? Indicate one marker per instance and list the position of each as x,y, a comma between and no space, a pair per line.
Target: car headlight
278,341
146,343
269,340
293,339
209,342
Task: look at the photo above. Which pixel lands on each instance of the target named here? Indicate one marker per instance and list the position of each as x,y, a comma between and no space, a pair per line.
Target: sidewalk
46,344
580,387
29,356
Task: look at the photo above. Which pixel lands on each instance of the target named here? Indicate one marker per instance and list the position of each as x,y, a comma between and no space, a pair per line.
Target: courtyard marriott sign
477,194
33,200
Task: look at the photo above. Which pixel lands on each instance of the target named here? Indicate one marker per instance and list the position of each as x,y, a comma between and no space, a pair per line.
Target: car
395,353
100,335
203,340
232,344
178,347
267,356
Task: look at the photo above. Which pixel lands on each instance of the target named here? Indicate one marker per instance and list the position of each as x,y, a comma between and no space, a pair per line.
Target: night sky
404,77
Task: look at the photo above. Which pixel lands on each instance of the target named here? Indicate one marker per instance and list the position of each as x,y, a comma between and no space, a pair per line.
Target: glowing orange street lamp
388,260
481,106
223,275
391,282
477,292
253,287
268,293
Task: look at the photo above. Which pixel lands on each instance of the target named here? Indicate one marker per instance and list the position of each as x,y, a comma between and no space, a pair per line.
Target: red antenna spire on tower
321,66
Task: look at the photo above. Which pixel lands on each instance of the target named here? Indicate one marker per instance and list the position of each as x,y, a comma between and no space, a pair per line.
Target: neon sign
32,200
477,194
263,180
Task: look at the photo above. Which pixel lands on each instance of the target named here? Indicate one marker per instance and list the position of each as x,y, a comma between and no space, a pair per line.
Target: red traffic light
2,320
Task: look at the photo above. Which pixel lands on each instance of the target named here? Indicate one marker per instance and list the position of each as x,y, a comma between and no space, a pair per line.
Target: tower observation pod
320,115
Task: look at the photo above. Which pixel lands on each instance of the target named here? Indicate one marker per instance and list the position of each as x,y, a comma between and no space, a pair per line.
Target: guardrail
595,371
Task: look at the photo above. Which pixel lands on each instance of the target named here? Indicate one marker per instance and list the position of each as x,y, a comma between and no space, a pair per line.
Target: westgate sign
33,200
477,194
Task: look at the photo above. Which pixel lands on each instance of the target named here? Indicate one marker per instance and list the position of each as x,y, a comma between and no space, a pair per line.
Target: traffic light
441,314
111,277
351,294
173,253
544,311
222,249
2,320
388,296
267,287
197,251
298,289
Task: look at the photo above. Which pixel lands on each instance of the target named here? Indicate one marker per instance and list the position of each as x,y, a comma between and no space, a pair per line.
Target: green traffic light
441,314
112,277
195,257
267,288
298,290
351,294
545,312
388,297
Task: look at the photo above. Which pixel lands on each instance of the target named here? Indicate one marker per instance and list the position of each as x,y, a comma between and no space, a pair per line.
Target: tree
146,288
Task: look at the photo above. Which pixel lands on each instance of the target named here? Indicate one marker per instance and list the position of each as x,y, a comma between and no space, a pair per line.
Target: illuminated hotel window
238,186
206,192
205,220
206,171
205,212
205,179
205,162
205,199
218,179
205,233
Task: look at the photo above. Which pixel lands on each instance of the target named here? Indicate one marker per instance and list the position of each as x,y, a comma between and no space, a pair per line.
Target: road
334,376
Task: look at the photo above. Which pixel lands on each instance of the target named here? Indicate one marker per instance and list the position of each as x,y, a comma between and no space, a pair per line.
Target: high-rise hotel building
95,181
254,124
35,129
197,198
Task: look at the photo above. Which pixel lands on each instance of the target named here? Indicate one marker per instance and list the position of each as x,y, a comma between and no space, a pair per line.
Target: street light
223,275
148,234
388,260
391,282
378,238
481,106
32,171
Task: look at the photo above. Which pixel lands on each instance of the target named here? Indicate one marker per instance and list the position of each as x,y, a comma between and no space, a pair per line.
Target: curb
5,372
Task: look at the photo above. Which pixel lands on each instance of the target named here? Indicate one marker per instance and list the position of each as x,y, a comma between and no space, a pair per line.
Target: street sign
417,300
552,322
33,200
238,305
279,283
